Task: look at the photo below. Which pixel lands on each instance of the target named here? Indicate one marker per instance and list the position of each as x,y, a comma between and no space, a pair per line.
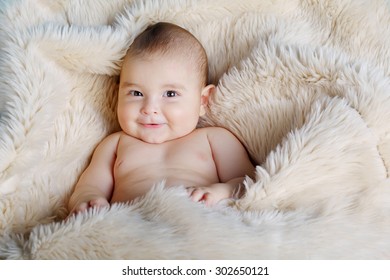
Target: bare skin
205,161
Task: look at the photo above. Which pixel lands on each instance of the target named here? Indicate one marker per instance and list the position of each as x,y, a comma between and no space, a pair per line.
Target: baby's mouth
152,125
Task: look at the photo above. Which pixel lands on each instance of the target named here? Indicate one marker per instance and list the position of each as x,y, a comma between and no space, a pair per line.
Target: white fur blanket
305,84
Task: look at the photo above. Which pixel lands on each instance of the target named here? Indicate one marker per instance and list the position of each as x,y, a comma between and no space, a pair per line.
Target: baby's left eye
170,93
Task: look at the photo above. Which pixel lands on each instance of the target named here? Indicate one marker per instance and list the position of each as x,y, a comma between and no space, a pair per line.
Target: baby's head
163,84
166,39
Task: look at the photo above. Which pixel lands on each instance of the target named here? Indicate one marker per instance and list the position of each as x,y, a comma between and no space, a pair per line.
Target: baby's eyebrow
174,86
128,84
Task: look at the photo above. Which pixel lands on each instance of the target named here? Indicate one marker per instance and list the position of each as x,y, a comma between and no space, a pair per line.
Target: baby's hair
166,38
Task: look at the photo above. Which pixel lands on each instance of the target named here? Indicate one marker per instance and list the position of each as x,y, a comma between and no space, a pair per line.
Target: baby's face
160,98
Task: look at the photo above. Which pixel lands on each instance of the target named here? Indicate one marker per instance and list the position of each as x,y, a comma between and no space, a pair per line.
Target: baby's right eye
135,93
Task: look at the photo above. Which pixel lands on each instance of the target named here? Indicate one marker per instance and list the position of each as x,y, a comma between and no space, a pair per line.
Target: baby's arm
96,184
232,163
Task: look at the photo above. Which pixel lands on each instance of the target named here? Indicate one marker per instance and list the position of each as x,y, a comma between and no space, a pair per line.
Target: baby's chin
160,139
152,139
159,136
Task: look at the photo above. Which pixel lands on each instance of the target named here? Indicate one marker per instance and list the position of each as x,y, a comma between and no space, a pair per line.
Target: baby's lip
152,124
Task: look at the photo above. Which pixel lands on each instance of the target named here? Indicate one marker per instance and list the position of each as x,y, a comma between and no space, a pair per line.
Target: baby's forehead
166,68
180,58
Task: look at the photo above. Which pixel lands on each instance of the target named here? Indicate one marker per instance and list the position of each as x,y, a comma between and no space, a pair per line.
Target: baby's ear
204,101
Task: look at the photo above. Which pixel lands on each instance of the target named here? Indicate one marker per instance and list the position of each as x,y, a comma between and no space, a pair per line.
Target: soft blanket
304,84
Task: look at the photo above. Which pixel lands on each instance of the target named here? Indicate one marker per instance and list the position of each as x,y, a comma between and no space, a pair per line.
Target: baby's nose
150,107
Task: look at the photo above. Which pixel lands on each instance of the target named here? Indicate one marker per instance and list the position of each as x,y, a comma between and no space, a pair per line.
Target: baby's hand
210,195
84,205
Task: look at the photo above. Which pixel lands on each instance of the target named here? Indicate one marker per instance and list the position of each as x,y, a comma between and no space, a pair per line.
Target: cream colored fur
305,85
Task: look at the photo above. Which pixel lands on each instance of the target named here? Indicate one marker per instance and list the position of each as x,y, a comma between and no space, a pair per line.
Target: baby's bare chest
192,154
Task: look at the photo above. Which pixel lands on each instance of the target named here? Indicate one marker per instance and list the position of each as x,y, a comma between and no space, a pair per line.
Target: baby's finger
81,208
190,190
198,195
98,202
209,199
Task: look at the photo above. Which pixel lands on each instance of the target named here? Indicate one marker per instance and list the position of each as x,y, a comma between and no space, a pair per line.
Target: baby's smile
152,125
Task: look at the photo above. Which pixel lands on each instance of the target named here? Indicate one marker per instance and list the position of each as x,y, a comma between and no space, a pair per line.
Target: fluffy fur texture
304,84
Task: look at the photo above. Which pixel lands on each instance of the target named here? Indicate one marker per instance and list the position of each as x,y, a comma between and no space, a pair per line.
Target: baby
163,91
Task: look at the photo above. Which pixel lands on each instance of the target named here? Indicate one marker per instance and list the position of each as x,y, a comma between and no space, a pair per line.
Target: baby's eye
170,93
135,93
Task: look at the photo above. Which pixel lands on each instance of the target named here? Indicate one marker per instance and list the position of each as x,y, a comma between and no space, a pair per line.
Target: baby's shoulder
117,139
126,139
111,139
217,134
216,131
